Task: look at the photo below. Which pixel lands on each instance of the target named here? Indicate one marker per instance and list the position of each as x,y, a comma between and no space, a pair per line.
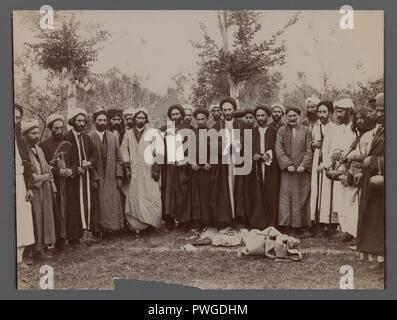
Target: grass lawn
159,257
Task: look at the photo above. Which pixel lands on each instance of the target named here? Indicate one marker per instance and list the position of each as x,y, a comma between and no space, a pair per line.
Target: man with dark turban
225,182
53,148
107,214
80,156
371,220
320,184
261,191
201,172
175,173
116,124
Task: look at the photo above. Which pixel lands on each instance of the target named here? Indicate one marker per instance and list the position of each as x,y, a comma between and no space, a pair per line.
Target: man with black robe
201,172
371,219
225,182
116,125
80,157
263,183
175,174
277,115
54,154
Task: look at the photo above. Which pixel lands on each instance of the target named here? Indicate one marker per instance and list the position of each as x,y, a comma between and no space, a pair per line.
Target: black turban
249,111
176,106
230,100
115,113
201,110
98,113
328,104
293,108
264,108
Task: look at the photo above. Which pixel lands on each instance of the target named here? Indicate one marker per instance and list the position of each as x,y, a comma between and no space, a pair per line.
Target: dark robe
24,154
371,218
220,198
175,187
54,155
74,224
106,209
307,123
201,186
263,187
277,125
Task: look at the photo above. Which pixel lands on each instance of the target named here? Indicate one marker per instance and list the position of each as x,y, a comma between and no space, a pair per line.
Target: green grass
159,258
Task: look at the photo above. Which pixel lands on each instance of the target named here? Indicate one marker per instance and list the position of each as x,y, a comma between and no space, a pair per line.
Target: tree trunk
235,91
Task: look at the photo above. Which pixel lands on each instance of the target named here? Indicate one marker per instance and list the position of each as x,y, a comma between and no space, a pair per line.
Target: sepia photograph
214,149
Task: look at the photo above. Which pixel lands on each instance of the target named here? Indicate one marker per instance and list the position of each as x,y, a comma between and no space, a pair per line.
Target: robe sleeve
307,159
93,152
119,159
326,149
125,152
283,161
69,159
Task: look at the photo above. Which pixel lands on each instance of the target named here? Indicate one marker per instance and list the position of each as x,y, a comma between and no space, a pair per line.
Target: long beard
311,116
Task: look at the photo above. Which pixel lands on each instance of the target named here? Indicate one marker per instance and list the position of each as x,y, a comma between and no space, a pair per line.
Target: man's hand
29,195
81,171
195,167
119,182
256,157
65,172
266,157
95,185
291,169
128,173
47,176
86,164
317,145
300,169
207,167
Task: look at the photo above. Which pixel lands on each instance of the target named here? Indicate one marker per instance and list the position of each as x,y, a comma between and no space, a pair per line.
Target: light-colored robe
43,215
111,216
340,138
24,220
143,199
294,206
324,183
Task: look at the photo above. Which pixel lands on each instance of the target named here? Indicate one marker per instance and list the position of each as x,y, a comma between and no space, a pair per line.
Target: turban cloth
52,118
278,105
380,100
141,110
249,111
313,100
129,111
74,113
344,103
112,113
214,105
176,106
201,110
97,113
328,104
229,100
264,108
28,125
295,109
188,107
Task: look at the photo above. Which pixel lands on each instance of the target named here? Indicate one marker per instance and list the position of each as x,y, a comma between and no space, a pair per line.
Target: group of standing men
314,171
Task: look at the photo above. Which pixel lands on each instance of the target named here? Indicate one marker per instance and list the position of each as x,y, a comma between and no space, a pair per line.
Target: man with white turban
189,110
129,118
277,114
143,198
311,112
80,157
216,115
336,145
54,154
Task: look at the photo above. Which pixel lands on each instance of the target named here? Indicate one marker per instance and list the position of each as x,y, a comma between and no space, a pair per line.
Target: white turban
214,105
54,117
142,110
28,125
75,112
344,103
278,105
129,111
313,100
188,107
